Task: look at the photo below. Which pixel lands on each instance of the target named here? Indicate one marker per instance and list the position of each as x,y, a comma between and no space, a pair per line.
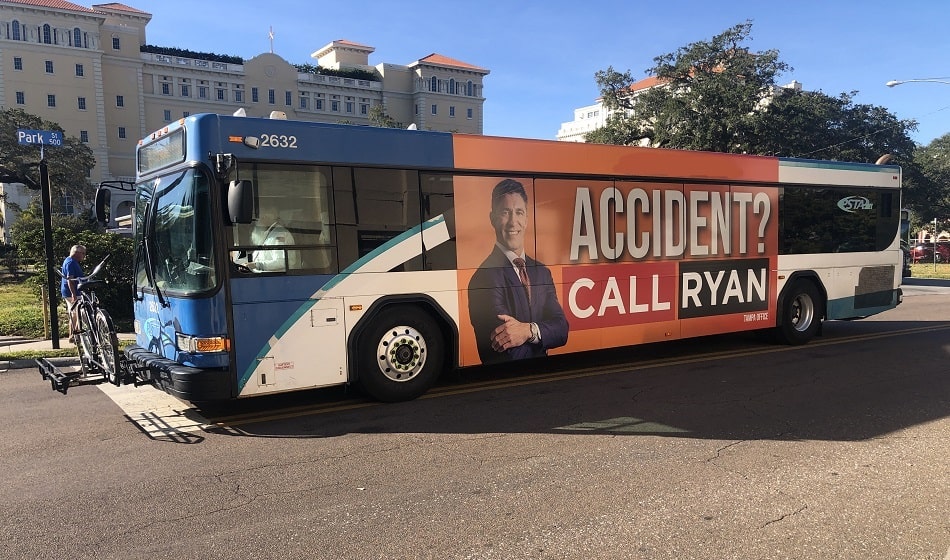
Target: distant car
905,253
924,253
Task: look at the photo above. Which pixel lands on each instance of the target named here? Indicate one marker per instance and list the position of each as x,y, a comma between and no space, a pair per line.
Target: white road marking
156,413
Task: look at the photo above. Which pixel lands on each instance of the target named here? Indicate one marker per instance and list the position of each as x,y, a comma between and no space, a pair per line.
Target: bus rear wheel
801,314
400,354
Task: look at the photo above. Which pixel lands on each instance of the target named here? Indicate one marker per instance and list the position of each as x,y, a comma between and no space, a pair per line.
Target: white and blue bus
273,255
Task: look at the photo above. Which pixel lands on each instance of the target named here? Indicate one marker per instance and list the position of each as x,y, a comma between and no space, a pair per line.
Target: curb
10,365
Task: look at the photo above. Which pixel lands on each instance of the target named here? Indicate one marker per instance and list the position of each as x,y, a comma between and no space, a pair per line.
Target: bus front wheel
800,314
400,354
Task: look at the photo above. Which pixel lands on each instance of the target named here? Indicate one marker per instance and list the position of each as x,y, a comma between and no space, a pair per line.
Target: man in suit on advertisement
513,305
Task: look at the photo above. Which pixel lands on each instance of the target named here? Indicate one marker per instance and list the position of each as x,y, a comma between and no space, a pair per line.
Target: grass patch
929,270
21,311
69,352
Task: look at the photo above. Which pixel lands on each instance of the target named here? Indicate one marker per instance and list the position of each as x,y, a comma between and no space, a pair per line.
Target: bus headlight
195,344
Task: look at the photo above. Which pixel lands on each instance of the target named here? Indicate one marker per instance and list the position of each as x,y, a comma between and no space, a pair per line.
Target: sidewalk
18,343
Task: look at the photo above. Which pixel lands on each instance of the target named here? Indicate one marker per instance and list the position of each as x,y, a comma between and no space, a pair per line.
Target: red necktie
523,273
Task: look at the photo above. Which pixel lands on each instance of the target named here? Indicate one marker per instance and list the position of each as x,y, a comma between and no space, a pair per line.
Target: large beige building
85,69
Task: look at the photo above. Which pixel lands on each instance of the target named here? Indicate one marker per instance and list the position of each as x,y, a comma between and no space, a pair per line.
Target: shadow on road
855,383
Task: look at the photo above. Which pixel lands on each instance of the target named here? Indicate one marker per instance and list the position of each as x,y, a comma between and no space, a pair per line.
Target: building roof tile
443,60
56,4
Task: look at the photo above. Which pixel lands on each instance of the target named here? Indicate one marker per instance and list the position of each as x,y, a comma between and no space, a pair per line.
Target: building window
119,101
185,92
167,115
334,105
434,84
288,100
17,63
202,92
47,37
16,30
469,113
452,89
67,202
84,136
82,103
271,96
121,132
469,89
303,103
435,109
349,106
166,88
219,94
364,108
115,43
77,37
417,108
80,71
51,100
238,96
49,66
185,114
20,98
452,111
254,96
318,104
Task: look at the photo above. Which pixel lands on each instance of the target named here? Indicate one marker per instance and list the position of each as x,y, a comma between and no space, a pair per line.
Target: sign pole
41,138
51,287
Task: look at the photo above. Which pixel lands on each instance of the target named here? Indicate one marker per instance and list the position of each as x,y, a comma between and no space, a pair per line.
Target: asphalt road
725,447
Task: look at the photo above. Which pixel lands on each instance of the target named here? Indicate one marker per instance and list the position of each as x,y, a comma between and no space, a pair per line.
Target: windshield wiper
147,252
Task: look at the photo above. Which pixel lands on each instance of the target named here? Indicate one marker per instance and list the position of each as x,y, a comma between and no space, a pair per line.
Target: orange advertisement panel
550,266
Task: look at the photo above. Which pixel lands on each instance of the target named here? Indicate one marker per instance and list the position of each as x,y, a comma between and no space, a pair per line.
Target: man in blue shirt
72,272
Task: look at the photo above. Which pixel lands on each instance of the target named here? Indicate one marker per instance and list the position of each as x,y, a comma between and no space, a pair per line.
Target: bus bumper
187,383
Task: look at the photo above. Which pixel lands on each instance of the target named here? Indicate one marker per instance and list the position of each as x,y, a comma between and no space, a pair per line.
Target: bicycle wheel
108,346
87,338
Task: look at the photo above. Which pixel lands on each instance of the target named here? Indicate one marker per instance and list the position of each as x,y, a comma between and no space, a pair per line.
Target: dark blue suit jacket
495,289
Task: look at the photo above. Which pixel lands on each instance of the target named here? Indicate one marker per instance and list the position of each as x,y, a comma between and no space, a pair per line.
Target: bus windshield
175,235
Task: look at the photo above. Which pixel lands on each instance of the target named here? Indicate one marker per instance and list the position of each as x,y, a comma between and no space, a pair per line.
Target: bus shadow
855,383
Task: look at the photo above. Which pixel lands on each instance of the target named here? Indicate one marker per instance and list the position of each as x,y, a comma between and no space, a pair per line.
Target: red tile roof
441,60
646,83
56,4
119,7
352,44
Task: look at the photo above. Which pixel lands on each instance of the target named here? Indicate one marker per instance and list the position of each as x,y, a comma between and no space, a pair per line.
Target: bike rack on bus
61,380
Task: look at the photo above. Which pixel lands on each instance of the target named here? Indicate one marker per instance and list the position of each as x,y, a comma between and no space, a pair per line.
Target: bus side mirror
103,205
241,202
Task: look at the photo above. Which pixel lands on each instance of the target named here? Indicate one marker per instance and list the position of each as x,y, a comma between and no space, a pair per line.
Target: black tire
108,347
801,314
86,339
400,354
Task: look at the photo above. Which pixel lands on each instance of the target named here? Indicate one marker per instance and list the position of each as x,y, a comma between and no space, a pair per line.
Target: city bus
274,255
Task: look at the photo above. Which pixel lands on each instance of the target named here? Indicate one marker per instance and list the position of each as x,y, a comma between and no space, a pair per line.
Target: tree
719,96
69,165
378,116
929,195
814,125
707,96
116,295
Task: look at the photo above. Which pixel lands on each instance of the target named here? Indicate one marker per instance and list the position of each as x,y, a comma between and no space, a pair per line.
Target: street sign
39,137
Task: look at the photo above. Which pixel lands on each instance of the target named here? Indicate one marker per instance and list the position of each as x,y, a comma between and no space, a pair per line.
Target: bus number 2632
278,141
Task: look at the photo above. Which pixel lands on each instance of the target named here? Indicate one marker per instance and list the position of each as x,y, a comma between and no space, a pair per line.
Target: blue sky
543,54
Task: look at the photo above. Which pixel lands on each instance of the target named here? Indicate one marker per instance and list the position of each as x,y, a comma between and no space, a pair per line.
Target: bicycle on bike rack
94,336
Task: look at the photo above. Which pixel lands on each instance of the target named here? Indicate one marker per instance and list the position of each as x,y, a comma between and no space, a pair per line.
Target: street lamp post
893,83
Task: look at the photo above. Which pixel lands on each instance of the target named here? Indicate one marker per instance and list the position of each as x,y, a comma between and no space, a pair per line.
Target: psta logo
854,203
